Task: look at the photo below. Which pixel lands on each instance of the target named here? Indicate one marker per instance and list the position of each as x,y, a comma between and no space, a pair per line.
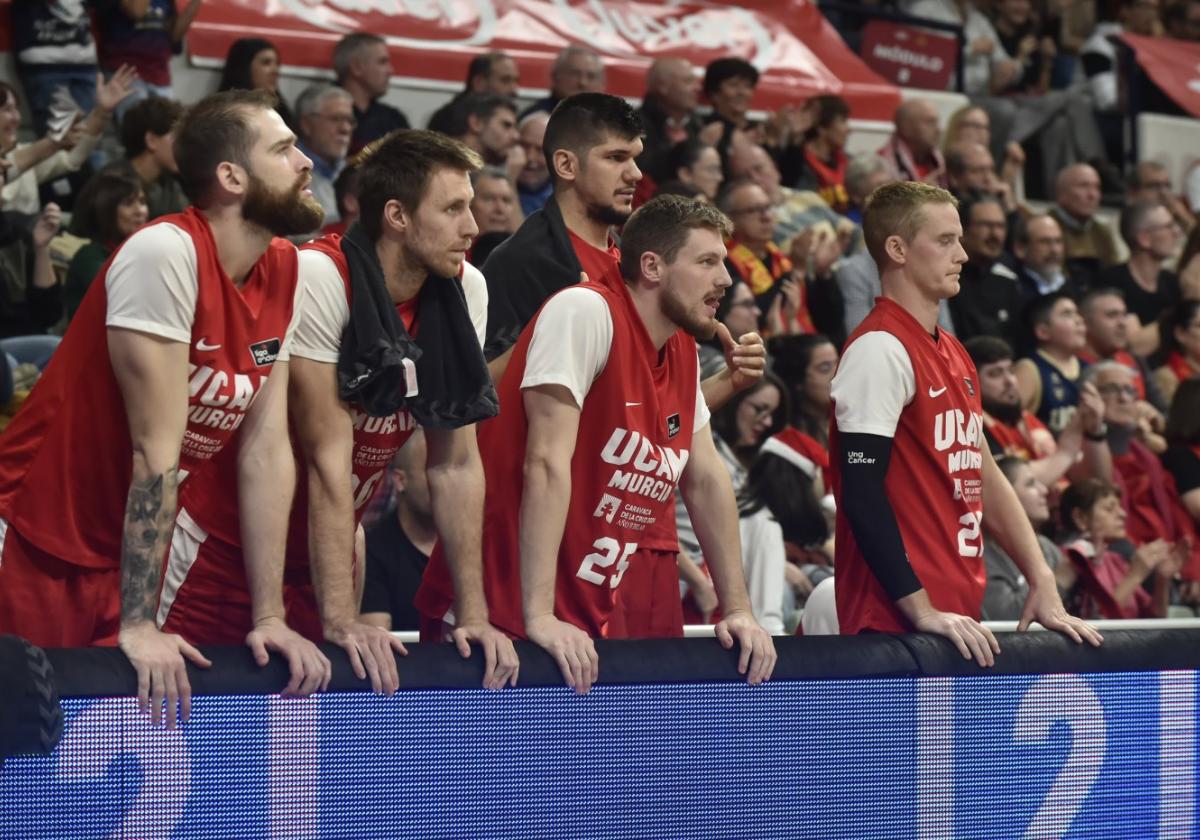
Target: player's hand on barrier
1044,606
161,673
571,648
973,640
372,653
746,358
757,659
499,655
309,669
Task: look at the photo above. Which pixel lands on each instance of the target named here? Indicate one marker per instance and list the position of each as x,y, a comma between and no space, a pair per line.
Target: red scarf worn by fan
762,279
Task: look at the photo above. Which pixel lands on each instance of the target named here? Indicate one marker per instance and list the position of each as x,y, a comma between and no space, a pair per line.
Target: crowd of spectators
1087,362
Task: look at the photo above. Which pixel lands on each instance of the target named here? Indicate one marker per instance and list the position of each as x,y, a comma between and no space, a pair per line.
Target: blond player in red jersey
910,475
179,345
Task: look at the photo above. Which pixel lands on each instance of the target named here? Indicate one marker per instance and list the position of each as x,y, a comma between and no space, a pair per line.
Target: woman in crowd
32,164
109,208
779,504
1099,581
696,164
1179,353
743,423
253,64
971,124
806,364
822,165
1007,589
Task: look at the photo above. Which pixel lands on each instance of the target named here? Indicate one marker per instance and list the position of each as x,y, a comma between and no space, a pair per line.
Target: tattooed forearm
149,518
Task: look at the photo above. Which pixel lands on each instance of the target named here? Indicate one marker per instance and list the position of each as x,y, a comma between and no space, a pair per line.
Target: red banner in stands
909,56
797,51
1173,65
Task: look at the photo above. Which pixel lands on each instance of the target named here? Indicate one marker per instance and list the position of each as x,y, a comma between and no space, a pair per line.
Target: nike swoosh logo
938,392
631,405
205,347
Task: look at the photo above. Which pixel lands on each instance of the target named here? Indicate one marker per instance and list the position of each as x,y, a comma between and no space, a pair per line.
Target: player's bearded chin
698,326
284,212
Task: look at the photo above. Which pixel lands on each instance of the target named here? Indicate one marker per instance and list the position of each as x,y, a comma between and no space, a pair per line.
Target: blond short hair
898,210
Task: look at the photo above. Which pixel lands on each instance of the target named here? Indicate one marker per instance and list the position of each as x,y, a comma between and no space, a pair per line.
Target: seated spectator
1090,245
533,181
740,314
30,294
668,113
495,203
729,85
989,300
1048,380
1006,590
577,69
695,164
781,503
971,124
912,152
1181,20
363,66
495,73
1013,431
1106,321
399,544
148,135
864,174
142,36
971,170
1148,494
1150,181
1037,243
1099,581
45,160
742,424
1023,37
1182,458
253,64
988,70
53,45
346,191
821,165
489,127
1153,239
806,364
1180,351
759,263
327,120
108,210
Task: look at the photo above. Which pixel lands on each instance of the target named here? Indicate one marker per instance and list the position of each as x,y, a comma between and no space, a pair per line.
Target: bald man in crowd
668,109
1088,242
912,151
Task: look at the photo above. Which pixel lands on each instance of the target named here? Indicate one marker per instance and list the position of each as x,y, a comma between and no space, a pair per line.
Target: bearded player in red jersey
603,418
402,264
910,474
165,362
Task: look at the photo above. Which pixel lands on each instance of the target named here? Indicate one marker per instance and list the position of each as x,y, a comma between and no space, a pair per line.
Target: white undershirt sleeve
702,413
571,342
324,309
475,290
152,284
873,383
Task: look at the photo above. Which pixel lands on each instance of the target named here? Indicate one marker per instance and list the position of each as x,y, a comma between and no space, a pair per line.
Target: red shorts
647,603
205,597
53,603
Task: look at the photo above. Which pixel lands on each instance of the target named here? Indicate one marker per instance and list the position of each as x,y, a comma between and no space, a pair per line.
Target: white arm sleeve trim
324,309
702,413
152,284
298,297
475,290
571,342
873,383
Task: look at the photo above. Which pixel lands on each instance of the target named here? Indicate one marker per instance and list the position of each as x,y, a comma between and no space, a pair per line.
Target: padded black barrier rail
100,672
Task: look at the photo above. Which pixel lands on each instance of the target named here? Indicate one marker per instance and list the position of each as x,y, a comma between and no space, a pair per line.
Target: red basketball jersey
635,433
66,459
934,483
212,498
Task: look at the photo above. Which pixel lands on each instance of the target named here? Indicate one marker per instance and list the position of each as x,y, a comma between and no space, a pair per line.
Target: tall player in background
910,474
180,347
602,419
397,280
